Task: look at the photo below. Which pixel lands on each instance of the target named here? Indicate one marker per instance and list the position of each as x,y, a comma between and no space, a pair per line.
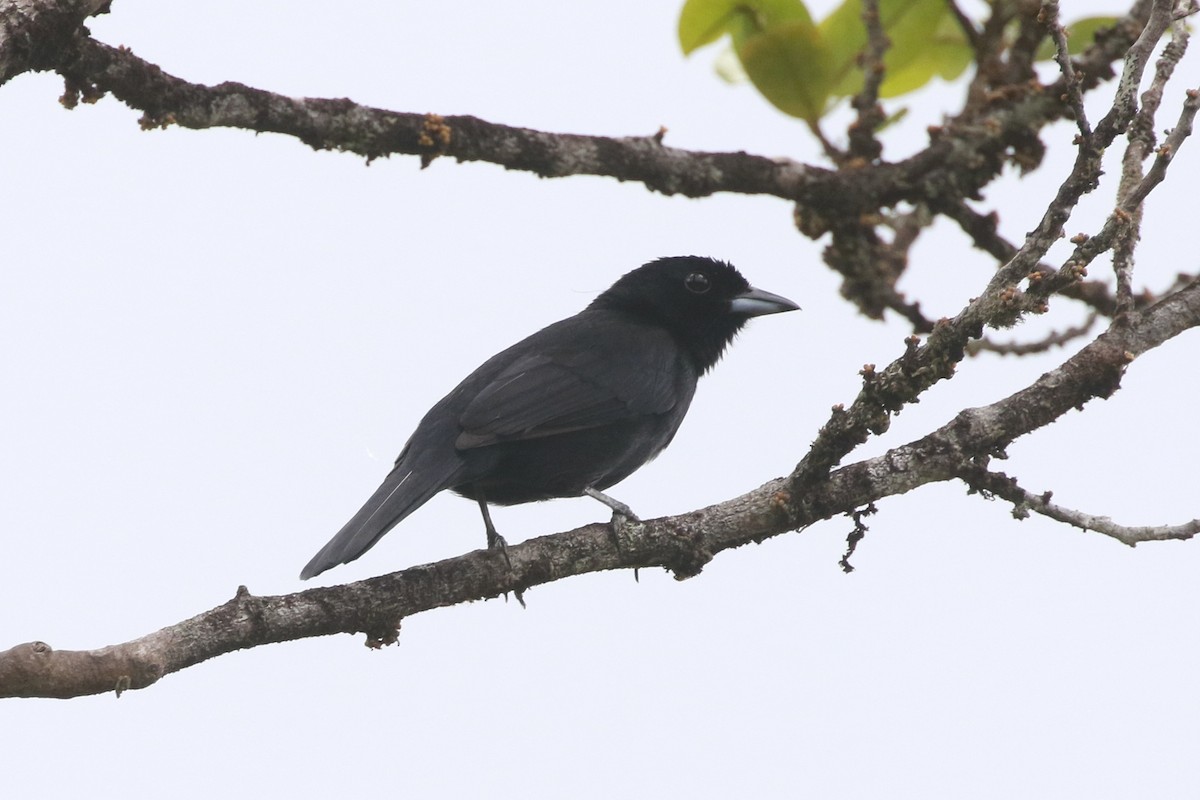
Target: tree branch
35,33
681,544
93,69
965,161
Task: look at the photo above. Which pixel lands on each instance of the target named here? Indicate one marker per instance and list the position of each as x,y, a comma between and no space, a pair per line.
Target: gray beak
755,302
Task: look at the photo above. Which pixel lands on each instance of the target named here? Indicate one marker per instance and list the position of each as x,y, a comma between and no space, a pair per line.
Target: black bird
572,409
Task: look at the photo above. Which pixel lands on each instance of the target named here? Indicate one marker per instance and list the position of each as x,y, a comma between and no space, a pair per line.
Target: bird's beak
755,302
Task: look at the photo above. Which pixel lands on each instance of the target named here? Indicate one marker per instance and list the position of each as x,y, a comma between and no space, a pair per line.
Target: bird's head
702,301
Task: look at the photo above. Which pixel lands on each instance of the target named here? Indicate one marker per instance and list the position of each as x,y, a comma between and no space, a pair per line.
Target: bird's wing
590,375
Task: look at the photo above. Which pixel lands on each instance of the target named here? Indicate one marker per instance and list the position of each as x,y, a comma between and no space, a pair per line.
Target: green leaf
768,13
788,63
702,22
945,55
1080,35
916,28
799,66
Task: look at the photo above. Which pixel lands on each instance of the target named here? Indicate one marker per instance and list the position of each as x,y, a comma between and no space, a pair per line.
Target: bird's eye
697,282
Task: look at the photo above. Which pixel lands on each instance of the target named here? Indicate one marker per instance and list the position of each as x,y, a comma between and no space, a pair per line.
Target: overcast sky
215,343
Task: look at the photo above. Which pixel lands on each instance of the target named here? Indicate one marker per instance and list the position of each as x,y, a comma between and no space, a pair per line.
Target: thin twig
1024,501
1124,105
1141,143
863,144
1083,178
1048,342
969,31
911,311
1120,221
1049,16
832,151
1165,154
907,228
1095,294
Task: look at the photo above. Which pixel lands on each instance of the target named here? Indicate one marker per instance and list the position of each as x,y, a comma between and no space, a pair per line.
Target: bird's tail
402,492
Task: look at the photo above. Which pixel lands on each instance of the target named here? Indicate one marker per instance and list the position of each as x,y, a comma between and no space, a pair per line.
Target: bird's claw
626,512
497,542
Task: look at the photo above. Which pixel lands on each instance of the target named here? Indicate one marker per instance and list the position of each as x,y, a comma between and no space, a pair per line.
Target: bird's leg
616,505
494,540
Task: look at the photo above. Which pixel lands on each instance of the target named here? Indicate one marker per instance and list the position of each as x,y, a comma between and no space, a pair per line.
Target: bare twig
863,144
907,228
1141,144
831,150
1049,16
1024,501
1124,104
1165,154
910,311
1119,223
1048,342
989,43
1093,293
970,32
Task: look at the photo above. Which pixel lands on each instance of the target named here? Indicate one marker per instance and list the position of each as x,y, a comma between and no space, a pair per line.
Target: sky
215,344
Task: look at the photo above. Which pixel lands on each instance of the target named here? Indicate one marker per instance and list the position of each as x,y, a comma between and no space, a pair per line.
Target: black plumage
572,409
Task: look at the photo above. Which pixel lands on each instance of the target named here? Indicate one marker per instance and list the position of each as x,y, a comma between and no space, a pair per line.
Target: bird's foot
616,505
497,542
622,514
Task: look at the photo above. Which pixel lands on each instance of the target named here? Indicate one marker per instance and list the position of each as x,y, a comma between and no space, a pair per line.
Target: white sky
215,343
